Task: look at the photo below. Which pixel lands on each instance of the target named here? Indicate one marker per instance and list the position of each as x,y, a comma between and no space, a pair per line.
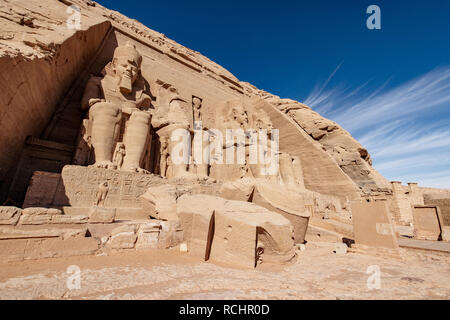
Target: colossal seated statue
116,100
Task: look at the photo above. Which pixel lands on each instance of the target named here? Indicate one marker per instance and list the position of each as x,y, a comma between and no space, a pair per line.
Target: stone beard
118,100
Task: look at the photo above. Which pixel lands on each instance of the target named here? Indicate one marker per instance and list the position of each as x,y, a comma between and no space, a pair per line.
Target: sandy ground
318,273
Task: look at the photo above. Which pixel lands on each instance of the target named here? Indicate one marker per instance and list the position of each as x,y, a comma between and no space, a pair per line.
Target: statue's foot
140,170
205,178
105,165
136,169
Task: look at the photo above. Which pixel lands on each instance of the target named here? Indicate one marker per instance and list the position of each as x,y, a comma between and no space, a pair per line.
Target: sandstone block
65,219
160,202
170,235
446,233
246,234
196,213
289,204
372,225
236,232
45,232
426,223
102,215
38,211
52,248
237,190
12,250
9,215
123,237
147,236
27,219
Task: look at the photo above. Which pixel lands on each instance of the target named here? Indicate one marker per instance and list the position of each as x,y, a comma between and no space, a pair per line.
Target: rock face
138,142
234,232
43,49
349,154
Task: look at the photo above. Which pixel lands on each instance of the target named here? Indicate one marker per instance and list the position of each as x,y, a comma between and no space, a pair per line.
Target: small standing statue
259,252
164,152
196,106
119,155
102,193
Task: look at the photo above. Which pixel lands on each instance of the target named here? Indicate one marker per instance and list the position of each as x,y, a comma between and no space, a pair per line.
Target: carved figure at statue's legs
164,154
105,118
135,139
178,146
179,170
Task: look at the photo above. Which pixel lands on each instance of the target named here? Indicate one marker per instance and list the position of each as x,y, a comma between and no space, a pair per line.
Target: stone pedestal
102,215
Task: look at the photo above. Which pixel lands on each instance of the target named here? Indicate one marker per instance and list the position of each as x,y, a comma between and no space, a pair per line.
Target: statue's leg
135,139
104,117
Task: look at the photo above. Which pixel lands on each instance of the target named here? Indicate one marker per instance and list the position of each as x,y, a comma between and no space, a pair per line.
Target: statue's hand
128,107
145,101
94,101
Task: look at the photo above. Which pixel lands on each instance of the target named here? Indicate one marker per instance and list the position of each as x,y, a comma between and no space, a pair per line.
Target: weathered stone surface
123,237
35,219
196,217
287,203
148,235
46,231
102,215
171,234
352,158
9,215
65,219
52,248
445,233
161,202
234,232
37,211
442,203
238,224
122,90
426,223
405,231
372,225
42,189
80,186
237,190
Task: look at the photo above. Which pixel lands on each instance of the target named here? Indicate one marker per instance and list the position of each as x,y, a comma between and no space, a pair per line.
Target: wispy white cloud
406,128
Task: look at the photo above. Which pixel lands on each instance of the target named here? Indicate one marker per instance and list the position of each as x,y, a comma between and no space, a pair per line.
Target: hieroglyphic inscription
80,185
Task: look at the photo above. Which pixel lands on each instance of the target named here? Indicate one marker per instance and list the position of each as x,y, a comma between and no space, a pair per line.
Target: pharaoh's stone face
197,103
263,122
240,115
127,69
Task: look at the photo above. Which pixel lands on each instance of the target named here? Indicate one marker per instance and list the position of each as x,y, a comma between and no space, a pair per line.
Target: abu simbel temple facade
115,137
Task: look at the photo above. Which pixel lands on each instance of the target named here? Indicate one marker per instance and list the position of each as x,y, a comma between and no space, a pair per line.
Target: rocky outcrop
37,42
349,154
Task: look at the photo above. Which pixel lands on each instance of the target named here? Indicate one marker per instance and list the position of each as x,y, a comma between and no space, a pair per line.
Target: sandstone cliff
44,63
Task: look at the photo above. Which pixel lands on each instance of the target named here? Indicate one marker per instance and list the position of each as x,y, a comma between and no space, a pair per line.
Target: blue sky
389,88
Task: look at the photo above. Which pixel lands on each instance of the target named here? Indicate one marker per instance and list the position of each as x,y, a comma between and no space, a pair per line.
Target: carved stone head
262,121
197,103
126,64
239,114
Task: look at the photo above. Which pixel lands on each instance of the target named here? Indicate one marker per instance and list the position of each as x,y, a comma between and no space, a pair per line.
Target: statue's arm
146,101
92,91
